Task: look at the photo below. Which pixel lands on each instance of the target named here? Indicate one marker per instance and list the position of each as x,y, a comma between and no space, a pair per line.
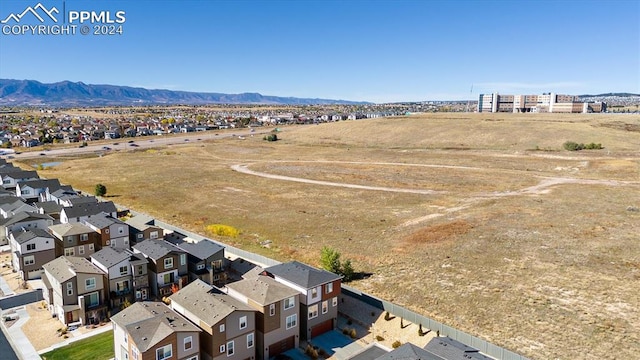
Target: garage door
322,328
281,346
35,274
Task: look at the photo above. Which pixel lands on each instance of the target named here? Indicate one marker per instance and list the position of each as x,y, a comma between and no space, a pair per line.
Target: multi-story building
319,290
277,313
545,103
113,232
74,239
152,331
30,250
167,266
127,277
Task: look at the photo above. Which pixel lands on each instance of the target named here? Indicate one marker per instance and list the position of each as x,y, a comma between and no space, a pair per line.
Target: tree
330,259
347,270
101,190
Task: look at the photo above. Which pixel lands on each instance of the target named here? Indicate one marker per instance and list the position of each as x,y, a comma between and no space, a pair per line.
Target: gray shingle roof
370,352
302,274
27,235
109,256
263,290
49,207
23,174
66,267
140,221
409,351
52,184
102,221
24,216
207,303
148,323
448,348
87,209
202,249
155,249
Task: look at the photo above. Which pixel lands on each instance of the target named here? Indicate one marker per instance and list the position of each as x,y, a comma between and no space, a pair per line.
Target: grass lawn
97,347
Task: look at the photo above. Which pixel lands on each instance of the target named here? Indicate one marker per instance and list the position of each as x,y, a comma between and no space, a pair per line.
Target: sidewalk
21,345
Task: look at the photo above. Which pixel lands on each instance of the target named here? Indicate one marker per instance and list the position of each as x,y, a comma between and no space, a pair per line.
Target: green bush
100,190
270,137
396,344
574,146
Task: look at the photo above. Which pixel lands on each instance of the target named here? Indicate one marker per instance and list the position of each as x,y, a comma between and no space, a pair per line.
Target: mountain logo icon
34,11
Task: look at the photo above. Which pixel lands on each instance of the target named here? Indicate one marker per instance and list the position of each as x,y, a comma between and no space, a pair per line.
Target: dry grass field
481,221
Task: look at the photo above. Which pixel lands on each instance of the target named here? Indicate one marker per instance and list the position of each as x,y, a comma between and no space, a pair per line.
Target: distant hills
610,94
67,93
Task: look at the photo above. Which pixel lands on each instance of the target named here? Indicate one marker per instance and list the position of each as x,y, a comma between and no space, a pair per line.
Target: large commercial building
545,103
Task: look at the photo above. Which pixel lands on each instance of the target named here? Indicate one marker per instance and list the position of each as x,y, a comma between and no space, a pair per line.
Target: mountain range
68,94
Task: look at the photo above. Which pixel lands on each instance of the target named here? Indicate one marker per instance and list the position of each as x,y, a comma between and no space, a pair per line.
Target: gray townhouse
127,277
152,331
228,325
34,190
167,266
80,212
23,220
74,239
11,205
319,290
205,260
141,228
30,250
277,306
12,178
75,290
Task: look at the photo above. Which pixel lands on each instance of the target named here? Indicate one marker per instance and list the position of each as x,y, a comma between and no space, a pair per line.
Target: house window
243,322
90,283
84,237
124,270
334,301
292,321
69,252
92,299
250,340
195,357
166,278
289,303
112,243
314,292
325,307
31,247
200,266
106,231
272,309
221,328
230,348
188,343
126,241
90,247
168,263
123,353
134,353
139,269
222,348
328,288
122,286
69,239
138,294
120,230
29,260
152,235
183,259
81,250
139,236
164,352
313,311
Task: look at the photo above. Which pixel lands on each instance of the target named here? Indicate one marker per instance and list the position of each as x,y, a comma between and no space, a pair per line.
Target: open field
481,221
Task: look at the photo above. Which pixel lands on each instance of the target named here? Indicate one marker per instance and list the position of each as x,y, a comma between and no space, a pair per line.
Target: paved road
141,142
6,351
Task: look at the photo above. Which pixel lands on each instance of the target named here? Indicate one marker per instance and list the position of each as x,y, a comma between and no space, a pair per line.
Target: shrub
223,230
387,316
379,338
100,190
396,344
353,333
270,137
572,146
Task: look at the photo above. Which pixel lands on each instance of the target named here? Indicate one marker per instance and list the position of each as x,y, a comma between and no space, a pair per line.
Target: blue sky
380,51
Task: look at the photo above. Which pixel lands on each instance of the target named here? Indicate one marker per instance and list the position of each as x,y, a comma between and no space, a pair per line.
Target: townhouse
141,229
205,260
75,290
112,231
319,290
167,266
30,250
34,190
277,307
152,331
10,179
228,325
23,220
80,212
126,275
73,239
